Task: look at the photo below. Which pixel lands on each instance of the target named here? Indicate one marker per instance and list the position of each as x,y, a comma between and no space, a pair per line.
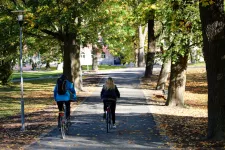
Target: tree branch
55,35
36,35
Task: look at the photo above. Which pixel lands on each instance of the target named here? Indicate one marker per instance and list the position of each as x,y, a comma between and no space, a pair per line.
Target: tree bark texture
47,64
136,54
213,31
141,53
177,82
71,60
151,47
94,58
163,76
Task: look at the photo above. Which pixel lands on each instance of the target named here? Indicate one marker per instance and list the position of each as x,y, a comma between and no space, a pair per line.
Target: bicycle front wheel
63,128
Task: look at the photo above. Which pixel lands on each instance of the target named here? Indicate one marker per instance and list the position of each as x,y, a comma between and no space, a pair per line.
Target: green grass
37,95
102,67
36,74
54,72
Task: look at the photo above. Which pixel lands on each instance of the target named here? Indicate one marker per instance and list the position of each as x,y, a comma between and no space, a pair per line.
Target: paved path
136,128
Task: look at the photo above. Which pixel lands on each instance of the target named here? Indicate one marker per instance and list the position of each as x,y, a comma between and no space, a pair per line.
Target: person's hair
109,84
64,77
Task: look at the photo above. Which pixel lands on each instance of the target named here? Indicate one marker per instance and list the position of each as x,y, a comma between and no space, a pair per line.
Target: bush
6,71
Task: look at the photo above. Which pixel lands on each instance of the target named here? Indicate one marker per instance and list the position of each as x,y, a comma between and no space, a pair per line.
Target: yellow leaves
207,2
65,9
164,126
154,7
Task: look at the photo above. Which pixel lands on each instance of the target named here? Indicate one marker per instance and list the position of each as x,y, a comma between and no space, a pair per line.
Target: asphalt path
136,128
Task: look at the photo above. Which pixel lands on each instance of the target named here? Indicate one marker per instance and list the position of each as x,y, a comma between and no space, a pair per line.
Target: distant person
64,91
110,93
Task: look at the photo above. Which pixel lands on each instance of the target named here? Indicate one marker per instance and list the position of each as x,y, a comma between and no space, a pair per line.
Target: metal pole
21,81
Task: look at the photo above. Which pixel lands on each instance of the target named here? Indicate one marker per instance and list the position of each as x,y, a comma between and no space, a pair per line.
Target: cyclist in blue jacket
70,94
110,92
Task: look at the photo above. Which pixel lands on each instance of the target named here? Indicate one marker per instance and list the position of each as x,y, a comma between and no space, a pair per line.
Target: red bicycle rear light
61,114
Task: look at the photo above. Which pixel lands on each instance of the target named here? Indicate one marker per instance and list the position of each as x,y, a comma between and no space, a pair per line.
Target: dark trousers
113,110
60,107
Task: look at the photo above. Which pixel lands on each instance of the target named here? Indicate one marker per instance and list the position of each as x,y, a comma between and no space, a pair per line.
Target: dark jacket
111,93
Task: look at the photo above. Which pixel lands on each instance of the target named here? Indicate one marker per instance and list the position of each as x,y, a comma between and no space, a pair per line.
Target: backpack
61,84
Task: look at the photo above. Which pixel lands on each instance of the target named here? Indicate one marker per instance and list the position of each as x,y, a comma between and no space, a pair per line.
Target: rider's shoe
114,126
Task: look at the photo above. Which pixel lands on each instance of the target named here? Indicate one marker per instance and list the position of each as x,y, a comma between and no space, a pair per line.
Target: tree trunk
177,82
213,31
47,64
151,46
149,64
164,72
71,60
136,55
193,55
94,58
141,53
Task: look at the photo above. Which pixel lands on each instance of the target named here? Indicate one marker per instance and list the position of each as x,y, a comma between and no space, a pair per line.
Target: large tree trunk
149,64
71,60
177,82
141,53
151,47
213,30
164,72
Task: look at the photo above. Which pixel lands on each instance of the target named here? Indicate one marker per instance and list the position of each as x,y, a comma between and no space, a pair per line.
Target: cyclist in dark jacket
110,92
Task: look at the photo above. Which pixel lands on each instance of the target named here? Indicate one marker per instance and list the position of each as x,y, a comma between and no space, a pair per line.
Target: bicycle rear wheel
63,127
110,120
107,121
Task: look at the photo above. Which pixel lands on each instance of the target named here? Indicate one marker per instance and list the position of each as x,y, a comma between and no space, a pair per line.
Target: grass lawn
37,94
36,74
102,67
53,72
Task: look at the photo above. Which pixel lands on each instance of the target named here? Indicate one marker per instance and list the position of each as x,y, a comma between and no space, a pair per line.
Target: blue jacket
67,96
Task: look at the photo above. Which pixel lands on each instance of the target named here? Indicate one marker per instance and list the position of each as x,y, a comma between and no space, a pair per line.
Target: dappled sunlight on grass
36,97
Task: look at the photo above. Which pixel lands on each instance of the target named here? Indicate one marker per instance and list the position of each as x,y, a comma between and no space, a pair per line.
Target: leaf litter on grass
185,127
40,114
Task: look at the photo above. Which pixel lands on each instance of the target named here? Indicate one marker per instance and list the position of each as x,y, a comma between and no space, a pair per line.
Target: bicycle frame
63,122
108,117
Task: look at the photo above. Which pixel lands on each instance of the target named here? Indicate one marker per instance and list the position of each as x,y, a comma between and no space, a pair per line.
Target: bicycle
64,124
108,115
